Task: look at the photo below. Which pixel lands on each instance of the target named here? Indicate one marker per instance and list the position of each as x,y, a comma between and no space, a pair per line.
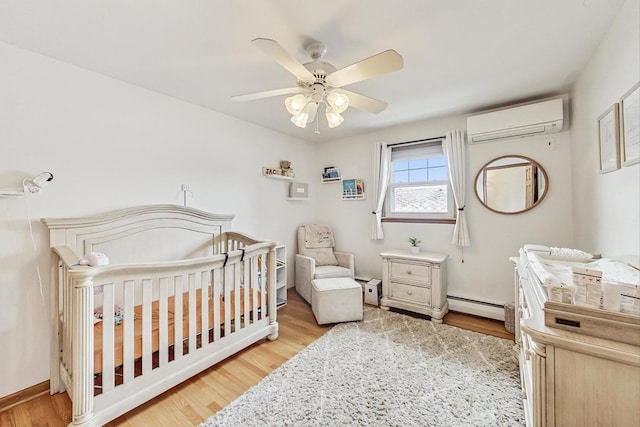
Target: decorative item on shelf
353,189
298,191
285,165
331,174
414,241
284,171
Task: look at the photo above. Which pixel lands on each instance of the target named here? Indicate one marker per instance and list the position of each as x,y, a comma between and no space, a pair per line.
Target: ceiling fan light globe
300,119
334,119
338,101
295,104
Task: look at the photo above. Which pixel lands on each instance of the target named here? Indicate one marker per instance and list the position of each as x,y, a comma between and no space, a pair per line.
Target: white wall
486,274
609,204
112,145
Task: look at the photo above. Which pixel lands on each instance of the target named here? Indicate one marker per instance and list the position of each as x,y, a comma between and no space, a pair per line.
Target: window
419,186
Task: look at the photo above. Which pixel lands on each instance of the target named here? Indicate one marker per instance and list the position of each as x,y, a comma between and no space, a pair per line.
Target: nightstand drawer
418,274
416,294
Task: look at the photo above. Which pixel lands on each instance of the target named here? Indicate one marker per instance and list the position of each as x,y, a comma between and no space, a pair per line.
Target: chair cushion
318,236
328,271
323,256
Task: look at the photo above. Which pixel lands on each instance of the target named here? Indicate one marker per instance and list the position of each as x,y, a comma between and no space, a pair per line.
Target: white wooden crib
167,263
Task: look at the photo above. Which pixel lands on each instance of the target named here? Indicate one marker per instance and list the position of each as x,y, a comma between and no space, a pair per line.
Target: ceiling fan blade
376,65
364,103
267,94
273,49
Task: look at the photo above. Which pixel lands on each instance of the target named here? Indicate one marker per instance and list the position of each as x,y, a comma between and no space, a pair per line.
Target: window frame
388,216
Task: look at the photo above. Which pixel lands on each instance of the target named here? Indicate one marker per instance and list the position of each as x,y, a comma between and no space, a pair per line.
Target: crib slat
204,308
146,326
128,329
255,284
192,313
247,291
178,316
236,296
228,284
163,320
263,287
216,303
108,345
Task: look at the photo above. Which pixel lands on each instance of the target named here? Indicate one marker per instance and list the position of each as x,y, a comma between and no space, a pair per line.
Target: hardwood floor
198,398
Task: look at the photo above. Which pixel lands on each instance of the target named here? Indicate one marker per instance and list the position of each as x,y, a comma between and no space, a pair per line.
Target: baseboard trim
24,396
477,308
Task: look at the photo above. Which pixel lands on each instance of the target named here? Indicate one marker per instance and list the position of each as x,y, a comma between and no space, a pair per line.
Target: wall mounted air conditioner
525,120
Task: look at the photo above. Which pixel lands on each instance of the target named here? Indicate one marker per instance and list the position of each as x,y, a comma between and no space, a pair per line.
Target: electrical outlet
550,144
186,187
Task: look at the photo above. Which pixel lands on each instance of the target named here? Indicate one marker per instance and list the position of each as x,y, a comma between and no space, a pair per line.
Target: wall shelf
358,197
280,177
276,173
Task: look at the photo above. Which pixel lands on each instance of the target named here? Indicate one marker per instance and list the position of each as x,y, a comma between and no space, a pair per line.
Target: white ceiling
459,56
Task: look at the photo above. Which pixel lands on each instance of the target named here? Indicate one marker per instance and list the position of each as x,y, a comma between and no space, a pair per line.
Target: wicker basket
510,317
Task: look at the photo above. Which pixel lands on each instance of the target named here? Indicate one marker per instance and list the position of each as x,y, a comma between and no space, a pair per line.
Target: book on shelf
331,174
353,189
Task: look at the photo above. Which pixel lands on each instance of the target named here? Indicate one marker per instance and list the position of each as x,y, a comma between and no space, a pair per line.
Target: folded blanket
318,236
615,271
546,277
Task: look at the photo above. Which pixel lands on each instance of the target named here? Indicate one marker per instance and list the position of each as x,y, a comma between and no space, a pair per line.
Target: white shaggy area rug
388,370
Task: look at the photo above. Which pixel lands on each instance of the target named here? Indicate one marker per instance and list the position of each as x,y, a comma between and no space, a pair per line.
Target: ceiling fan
320,82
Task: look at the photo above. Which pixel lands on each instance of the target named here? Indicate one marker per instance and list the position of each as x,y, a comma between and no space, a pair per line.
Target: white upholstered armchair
316,258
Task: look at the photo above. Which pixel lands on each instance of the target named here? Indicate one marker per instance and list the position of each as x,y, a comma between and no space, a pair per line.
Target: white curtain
454,150
380,183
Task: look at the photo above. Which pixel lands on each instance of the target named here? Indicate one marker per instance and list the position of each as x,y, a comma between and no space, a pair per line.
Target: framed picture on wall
630,126
609,139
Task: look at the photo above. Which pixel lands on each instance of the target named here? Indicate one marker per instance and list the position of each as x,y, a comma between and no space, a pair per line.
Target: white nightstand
415,282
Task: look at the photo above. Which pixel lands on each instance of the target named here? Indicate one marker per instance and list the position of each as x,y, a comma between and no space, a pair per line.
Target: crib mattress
155,325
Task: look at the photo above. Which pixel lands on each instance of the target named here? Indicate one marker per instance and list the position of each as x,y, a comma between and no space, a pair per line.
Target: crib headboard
151,233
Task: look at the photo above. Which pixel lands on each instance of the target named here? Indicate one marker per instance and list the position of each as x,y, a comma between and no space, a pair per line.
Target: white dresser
571,378
415,282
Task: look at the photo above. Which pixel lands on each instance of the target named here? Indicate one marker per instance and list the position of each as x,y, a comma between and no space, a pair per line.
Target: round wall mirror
511,184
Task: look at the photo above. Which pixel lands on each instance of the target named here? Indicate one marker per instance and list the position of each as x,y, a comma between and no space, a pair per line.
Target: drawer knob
409,293
409,272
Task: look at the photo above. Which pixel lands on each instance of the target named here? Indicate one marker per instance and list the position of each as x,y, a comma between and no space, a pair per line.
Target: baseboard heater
475,307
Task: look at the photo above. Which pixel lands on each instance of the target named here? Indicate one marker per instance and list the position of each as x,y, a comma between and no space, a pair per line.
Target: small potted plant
414,241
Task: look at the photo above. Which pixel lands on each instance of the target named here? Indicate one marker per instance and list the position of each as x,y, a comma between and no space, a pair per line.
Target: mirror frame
533,162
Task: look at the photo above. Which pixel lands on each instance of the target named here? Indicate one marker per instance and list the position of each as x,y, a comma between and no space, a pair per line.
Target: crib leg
274,335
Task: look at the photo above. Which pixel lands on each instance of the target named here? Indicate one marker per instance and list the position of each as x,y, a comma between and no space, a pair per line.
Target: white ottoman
336,299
